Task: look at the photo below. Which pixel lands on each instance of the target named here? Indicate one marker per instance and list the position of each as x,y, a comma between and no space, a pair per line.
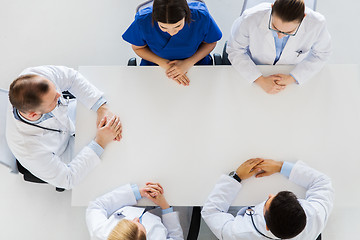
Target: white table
186,137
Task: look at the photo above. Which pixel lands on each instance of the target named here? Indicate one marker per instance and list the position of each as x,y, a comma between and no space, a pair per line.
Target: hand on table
101,113
177,71
107,132
268,167
249,168
155,193
269,84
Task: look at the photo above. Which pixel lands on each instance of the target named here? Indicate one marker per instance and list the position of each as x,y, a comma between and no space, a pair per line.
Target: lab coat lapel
292,45
268,39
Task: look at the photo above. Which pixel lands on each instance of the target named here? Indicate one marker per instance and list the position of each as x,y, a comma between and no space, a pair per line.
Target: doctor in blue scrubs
175,35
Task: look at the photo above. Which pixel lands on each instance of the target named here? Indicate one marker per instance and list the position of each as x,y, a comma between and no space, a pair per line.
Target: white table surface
186,137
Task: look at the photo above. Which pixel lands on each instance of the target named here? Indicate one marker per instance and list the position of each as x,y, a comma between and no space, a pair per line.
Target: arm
155,193
100,209
238,50
145,53
215,209
320,193
319,54
171,221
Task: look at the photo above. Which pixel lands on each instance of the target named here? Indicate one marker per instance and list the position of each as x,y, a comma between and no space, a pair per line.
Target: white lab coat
317,206
48,154
252,43
101,216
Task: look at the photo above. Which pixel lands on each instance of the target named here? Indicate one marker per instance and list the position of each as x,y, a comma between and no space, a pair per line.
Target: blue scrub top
180,46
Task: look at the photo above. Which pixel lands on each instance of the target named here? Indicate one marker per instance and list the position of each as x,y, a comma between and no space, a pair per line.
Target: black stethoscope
250,212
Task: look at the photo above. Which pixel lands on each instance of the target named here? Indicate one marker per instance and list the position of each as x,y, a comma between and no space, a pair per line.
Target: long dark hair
171,11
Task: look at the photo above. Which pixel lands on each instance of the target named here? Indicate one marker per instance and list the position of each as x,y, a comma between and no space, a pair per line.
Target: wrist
164,206
279,164
236,176
101,143
102,108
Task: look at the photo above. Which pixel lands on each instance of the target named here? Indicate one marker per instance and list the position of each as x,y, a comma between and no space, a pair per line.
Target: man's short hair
289,10
285,217
26,91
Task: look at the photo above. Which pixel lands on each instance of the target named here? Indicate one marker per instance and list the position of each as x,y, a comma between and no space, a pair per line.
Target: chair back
251,3
6,157
150,3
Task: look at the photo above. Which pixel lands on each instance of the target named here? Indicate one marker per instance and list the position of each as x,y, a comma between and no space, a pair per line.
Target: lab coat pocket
300,54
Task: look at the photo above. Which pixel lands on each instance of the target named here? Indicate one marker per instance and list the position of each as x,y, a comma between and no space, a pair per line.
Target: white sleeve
100,209
47,166
316,59
68,79
172,223
215,210
319,194
238,51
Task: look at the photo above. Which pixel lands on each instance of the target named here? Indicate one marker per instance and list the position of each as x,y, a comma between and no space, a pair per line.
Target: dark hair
26,91
171,11
289,10
285,217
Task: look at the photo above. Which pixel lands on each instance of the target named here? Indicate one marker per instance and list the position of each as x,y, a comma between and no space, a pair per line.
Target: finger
185,79
173,62
102,122
118,127
262,174
155,187
112,120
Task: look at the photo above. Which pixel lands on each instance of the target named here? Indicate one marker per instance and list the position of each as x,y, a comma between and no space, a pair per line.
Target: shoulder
257,12
198,11
313,18
144,15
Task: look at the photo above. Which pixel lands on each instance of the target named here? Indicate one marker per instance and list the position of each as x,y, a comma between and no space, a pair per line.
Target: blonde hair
126,230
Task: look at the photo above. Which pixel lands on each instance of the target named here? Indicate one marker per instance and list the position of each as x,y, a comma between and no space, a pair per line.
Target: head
33,94
128,230
286,16
171,15
284,216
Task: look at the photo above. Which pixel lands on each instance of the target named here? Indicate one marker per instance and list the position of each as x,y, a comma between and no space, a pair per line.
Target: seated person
40,133
174,35
283,33
281,215
113,217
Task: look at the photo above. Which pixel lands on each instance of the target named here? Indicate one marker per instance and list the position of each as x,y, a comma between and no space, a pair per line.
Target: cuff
286,169
294,78
98,104
136,191
168,210
96,147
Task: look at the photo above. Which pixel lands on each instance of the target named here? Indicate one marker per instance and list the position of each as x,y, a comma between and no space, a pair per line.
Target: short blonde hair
126,230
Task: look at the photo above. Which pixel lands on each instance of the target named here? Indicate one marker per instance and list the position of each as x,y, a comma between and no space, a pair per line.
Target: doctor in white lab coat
41,134
113,216
317,205
283,33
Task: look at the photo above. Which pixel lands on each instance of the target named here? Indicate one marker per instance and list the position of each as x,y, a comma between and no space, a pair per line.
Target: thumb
172,62
102,122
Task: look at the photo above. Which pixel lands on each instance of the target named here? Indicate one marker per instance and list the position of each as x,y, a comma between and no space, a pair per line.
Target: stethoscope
45,128
250,212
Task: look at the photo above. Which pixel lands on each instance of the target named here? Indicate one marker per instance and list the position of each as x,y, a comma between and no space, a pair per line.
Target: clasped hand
177,70
155,193
259,167
274,83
